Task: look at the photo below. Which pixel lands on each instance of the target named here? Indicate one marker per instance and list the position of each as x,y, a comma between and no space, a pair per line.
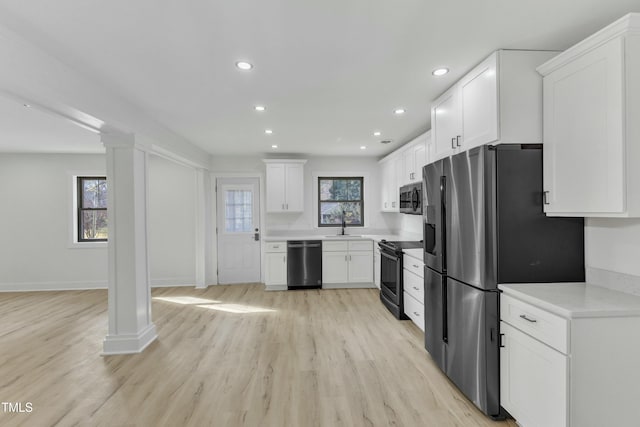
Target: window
238,211
338,199
92,208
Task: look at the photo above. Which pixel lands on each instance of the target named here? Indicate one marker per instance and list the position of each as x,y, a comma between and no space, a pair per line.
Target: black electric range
391,283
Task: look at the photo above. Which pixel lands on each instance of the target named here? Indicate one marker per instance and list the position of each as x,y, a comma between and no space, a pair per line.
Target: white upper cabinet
445,123
403,166
391,167
284,188
591,126
414,158
499,101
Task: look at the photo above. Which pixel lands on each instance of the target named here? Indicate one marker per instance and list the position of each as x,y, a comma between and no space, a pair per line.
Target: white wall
612,253
171,223
35,190
375,221
34,224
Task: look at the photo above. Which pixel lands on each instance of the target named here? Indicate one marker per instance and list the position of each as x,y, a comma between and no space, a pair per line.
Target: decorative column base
129,344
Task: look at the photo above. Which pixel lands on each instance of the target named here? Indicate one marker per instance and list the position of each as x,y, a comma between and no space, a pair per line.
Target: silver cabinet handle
524,316
458,140
283,206
416,314
276,246
545,197
453,143
393,204
415,266
345,258
284,259
416,288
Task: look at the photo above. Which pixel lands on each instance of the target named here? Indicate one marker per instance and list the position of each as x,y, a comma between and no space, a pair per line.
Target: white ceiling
31,130
330,72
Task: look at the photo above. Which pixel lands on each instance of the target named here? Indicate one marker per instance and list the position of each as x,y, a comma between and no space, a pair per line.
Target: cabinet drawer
360,245
414,285
413,265
275,247
331,246
540,324
414,310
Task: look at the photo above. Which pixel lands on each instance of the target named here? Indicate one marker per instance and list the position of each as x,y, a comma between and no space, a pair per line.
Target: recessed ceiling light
363,147
399,111
259,108
244,65
376,133
274,146
268,131
440,71
27,105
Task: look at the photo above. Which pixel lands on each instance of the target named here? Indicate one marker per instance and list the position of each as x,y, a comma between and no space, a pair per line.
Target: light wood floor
320,358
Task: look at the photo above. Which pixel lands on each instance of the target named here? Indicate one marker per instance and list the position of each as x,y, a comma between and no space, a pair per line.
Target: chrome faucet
344,223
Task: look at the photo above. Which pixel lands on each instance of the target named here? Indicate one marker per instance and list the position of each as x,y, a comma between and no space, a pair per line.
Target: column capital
113,138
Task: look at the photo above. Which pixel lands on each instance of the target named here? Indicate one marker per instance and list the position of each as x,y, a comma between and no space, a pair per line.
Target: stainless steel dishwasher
304,264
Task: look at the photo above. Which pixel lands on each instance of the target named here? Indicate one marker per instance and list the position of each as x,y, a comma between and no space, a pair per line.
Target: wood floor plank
225,356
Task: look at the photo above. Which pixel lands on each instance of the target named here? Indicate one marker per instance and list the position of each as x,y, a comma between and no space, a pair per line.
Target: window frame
319,202
79,209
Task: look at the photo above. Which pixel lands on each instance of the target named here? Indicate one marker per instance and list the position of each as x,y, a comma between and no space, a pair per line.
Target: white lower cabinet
347,263
413,284
569,355
276,265
377,260
533,380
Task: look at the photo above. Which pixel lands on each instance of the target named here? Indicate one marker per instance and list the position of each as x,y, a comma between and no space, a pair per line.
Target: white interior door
238,222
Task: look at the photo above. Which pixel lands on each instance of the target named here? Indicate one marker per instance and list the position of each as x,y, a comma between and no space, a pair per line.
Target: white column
130,327
204,229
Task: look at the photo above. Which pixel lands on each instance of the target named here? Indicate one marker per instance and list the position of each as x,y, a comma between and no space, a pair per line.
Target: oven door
390,276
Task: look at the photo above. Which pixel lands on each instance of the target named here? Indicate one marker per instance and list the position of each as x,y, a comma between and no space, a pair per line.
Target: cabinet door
583,133
420,154
294,185
395,183
409,161
479,105
360,267
533,380
445,119
276,269
275,187
376,267
386,172
335,267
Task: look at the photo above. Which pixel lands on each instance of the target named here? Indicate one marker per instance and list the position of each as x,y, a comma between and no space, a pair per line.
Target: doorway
238,230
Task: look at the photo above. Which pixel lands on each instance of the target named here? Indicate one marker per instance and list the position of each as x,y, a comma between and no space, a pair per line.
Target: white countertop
374,237
575,300
415,253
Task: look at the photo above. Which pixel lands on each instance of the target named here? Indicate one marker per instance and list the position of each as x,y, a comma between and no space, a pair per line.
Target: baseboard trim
88,285
348,286
275,287
53,286
129,343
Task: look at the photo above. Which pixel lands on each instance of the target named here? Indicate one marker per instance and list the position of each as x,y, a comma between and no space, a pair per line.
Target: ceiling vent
385,141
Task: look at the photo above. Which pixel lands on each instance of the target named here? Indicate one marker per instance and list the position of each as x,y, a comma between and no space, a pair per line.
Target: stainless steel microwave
411,199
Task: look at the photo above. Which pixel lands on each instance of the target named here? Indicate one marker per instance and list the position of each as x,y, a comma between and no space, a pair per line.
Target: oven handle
392,257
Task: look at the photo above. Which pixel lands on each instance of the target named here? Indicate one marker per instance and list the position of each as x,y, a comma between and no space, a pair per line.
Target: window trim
361,178
72,203
80,209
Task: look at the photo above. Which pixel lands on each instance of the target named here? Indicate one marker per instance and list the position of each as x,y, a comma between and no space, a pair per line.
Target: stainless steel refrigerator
483,225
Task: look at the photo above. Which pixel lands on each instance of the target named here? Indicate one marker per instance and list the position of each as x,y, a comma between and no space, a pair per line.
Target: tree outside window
338,199
92,209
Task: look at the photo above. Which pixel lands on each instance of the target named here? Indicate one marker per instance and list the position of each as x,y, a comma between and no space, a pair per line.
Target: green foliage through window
340,198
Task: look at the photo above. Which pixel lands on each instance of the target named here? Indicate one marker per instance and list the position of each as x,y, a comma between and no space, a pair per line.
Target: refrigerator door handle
445,326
